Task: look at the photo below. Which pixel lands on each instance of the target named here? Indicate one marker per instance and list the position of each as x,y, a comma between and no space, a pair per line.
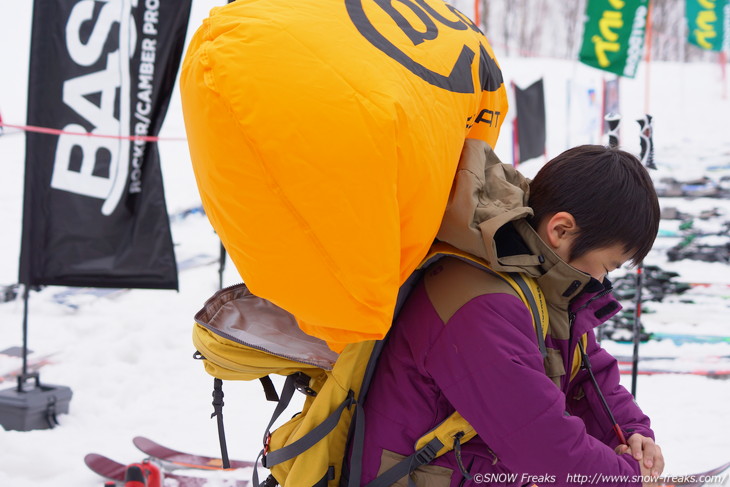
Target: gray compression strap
287,392
329,475
304,443
358,440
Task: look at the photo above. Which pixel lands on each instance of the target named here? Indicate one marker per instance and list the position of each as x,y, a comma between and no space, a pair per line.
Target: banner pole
647,82
221,265
26,292
723,71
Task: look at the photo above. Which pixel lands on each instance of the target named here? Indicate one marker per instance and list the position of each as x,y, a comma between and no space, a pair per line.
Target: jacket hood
485,195
486,216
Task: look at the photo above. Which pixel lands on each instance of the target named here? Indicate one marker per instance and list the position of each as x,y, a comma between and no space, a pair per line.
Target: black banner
531,133
94,209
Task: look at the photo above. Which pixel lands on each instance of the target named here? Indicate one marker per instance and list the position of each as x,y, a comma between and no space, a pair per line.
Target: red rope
50,131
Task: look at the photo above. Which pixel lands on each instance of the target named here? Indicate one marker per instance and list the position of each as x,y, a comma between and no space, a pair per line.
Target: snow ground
128,359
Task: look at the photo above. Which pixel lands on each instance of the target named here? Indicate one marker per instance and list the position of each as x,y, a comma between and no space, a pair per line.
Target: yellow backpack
240,336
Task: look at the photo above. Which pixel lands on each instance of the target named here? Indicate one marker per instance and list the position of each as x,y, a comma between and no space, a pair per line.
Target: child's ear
560,230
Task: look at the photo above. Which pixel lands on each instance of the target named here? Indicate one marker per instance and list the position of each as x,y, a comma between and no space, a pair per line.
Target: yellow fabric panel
577,358
228,360
324,138
446,431
307,468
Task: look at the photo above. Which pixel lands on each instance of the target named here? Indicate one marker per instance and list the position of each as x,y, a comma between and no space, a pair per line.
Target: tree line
546,28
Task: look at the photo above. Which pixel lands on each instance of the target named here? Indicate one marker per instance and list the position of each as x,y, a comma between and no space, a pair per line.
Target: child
465,342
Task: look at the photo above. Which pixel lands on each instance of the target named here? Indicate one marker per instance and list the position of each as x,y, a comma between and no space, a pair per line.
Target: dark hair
608,192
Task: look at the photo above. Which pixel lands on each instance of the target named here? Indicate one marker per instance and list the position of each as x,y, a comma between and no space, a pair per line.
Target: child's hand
646,452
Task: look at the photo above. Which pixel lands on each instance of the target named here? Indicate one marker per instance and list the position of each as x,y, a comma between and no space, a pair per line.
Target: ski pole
612,120
647,159
646,138
637,329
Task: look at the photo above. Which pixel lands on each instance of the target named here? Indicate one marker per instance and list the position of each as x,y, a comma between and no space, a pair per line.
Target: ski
707,478
709,359
106,467
679,338
708,285
115,471
33,365
182,459
710,374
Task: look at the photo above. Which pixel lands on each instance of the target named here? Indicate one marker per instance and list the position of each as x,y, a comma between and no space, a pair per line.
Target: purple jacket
481,358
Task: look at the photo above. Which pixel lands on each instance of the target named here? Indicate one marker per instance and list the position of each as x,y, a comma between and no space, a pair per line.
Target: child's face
560,232
599,262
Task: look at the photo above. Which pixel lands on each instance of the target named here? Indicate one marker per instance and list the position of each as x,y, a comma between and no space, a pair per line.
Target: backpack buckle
267,440
301,383
426,454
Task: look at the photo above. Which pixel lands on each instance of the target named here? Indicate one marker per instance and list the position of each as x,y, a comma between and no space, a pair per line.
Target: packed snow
127,356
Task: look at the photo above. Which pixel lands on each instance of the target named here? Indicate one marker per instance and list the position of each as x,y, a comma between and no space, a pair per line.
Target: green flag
613,37
707,21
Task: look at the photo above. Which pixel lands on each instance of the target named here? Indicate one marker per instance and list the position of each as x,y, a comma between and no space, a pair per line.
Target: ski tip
105,466
143,443
186,460
90,457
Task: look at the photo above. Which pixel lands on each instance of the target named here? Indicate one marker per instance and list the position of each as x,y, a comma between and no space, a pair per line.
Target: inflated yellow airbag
324,137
